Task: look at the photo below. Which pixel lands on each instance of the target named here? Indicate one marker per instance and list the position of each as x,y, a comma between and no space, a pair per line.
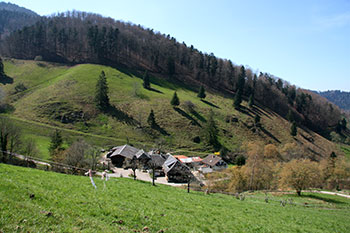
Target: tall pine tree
56,142
2,73
293,129
146,81
101,95
251,101
175,100
241,79
151,120
240,88
211,132
201,93
238,99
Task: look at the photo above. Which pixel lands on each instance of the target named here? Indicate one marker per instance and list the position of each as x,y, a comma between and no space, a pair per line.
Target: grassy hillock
37,201
56,95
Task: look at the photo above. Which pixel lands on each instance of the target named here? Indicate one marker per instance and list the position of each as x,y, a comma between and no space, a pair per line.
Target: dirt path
118,172
331,193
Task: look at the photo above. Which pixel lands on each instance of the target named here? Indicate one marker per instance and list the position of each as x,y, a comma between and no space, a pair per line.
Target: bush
38,58
240,160
19,88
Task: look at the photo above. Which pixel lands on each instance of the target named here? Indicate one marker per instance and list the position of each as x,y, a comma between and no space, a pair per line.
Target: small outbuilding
143,158
214,162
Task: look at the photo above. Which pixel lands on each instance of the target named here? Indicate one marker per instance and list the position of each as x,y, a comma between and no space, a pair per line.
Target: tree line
80,37
268,168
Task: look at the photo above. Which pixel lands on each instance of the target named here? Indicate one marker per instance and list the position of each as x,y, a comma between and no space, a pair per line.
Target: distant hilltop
16,8
339,98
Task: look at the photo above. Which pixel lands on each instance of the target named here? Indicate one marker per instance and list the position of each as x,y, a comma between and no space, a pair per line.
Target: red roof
185,159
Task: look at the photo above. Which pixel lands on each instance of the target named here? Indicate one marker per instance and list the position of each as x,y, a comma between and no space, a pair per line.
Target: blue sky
304,42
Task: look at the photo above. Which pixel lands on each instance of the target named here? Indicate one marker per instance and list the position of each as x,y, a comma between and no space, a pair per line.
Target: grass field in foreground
66,203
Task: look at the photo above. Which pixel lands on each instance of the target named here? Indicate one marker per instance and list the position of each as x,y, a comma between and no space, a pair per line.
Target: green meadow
38,201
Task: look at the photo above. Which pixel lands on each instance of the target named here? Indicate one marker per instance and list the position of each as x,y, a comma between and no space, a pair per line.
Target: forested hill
340,98
16,8
13,17
79,37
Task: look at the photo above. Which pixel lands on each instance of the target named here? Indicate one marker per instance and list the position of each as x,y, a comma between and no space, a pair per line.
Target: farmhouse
176,171
157,161
122,155
192,162
213,162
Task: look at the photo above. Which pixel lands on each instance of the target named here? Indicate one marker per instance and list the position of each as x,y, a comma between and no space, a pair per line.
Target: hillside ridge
338,97
62,96
80,37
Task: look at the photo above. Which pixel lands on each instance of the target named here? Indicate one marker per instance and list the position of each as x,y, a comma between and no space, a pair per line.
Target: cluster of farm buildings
177,168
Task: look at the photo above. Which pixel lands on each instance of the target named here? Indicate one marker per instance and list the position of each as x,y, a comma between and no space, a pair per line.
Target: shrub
38,58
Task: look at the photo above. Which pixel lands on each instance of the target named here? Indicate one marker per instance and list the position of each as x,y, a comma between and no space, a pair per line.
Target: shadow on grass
210,104
269,134
244,110
155,90
183,113
198,116
257,111
160,130
120,115
6,80
325,199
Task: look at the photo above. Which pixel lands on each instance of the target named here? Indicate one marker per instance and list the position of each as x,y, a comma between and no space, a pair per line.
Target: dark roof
157,159
173,163
141,154
211,160
125,151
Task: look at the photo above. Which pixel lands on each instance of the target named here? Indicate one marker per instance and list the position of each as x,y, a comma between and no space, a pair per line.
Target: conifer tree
251,101
343,124
2,73
101,96
146,81
293,129
151,120
201,93
241,79
257,120
238,99
175,100
290,116
339,127
56,142
211,132
333,155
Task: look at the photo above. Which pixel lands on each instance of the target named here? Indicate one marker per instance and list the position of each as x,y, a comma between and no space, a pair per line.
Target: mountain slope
62,96
13,17
125,205
340,98
80,37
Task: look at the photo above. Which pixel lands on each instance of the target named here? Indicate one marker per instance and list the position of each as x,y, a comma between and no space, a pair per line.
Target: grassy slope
77,207
55,90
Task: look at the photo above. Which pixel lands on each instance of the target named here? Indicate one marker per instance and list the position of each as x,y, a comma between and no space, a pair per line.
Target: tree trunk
188,187
299,192
153,177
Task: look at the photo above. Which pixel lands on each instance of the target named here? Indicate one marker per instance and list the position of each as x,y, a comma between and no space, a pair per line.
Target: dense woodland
340,98
79,37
